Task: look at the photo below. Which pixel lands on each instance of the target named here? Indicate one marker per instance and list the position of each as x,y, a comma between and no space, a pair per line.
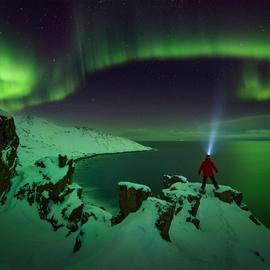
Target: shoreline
115,153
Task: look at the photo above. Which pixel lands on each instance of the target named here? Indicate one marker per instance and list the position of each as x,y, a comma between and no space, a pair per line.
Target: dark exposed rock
46,192
62,161
229,196
78,242
40,164
164,221
259,255
255,220
190,200
195,203
243,206
131,197
194,221
170,180
117,219
9,142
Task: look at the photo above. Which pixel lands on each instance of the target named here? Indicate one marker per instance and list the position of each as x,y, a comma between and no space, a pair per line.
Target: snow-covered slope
226,238
178,229
40,138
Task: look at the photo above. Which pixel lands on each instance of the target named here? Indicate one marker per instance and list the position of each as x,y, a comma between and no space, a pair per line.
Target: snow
40,138
180,177
227,239
51,172
4,114
135,186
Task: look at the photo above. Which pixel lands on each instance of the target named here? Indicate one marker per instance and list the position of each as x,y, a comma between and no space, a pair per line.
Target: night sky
141,69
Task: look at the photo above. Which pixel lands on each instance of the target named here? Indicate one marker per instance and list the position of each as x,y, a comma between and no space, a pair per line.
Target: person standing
208,169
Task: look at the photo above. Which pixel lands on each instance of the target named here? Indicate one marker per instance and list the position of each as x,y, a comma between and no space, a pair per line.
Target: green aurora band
18,73
255,83
26,82
98,44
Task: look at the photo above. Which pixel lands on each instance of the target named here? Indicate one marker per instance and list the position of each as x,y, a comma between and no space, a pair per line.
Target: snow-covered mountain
40,138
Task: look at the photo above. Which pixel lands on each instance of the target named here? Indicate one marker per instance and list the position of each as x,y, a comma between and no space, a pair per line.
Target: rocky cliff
48,186
9,142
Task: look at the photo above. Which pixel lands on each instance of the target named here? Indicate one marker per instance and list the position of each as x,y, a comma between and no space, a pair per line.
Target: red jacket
207,168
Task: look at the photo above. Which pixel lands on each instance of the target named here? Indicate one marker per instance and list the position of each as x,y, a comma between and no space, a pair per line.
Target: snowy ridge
226,237
4,114
40,138
136,186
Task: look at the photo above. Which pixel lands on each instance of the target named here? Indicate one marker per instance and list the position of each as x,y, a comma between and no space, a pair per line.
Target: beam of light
219,104
212,138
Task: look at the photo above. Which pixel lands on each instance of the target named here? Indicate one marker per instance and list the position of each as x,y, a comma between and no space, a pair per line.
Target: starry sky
142,69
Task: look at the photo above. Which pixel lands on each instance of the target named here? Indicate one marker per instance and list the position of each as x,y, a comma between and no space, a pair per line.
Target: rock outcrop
186,202
48,185
9,142
181,199
229,196
165,213
131,196
169,180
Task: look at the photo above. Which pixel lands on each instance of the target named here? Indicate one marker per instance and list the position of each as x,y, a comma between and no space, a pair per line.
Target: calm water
245,165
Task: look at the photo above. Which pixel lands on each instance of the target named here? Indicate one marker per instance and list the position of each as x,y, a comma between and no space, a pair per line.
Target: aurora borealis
49,49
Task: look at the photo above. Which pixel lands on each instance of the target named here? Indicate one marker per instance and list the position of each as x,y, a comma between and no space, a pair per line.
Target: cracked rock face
131,197
165,212
229,196
49,186
9,142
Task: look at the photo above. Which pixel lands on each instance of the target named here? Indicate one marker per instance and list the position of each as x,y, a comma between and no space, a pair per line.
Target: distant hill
40,138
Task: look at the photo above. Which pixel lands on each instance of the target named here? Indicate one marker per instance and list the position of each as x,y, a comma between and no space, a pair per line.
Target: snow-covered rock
40,138
49,188
229,195
9,142
168,180
224,238
131,196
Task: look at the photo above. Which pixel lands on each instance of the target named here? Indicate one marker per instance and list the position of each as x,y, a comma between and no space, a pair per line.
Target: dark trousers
213,181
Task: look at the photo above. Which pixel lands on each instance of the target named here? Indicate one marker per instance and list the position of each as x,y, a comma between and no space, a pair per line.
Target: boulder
131,196
229,196
62,161
170,180
9,143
